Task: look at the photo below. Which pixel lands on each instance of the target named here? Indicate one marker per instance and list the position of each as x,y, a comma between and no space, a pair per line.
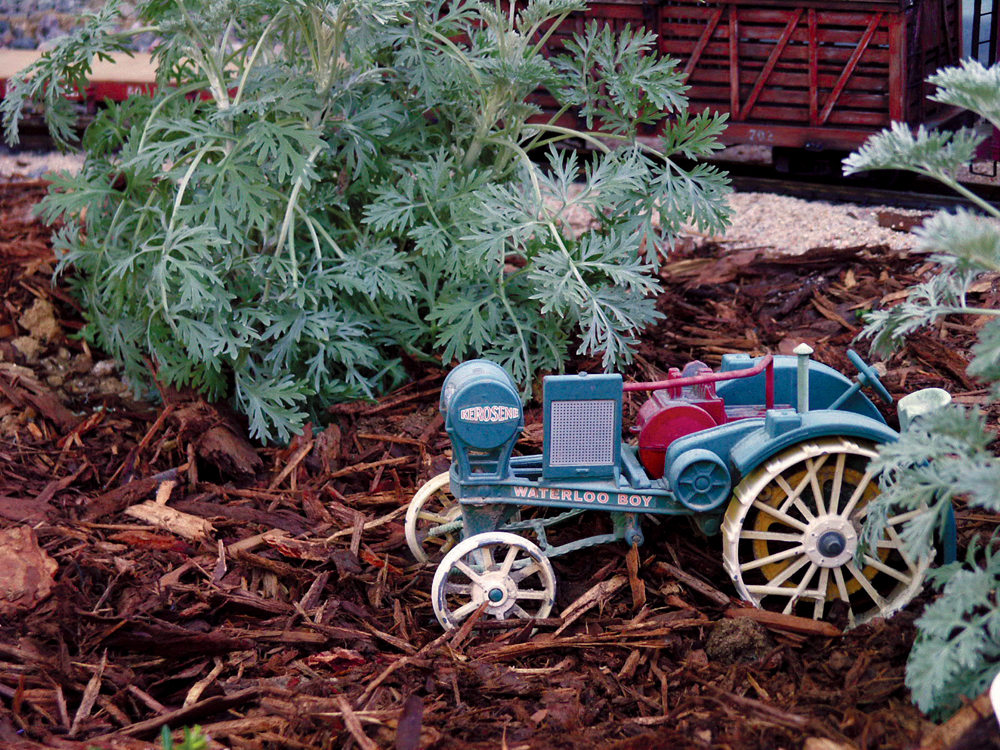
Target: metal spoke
867,586
904,517
776,557
858,493
780,515
771,536
532,594
888,570
901,548
508,561
465,610
458,588
824,583
887,544
788,572
801,588
838,575
761,591
487,552
519,575
774,586
838,483
813,475
469,572
438,518
794,496
518,610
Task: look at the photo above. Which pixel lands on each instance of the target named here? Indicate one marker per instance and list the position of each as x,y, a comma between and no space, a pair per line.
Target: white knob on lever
802,351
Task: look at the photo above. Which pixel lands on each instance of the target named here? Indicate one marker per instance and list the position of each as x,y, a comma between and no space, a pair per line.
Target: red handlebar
766,363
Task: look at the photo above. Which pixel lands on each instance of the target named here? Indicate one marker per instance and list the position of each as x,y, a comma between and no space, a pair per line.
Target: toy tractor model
773,452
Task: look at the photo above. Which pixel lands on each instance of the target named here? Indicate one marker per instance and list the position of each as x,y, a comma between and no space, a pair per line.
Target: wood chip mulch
158,570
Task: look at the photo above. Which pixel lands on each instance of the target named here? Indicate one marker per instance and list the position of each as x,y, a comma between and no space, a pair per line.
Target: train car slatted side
791,73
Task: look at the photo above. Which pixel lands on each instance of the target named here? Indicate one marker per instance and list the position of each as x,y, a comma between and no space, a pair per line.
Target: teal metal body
772,453
585,465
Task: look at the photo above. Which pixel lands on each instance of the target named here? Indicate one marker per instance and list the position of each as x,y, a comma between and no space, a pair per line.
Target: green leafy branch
945,455
367,179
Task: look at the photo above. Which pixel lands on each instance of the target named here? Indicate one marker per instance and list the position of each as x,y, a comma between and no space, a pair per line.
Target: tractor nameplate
653,500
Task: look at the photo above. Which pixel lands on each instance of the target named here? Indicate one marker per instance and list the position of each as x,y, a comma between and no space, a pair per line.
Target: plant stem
287,222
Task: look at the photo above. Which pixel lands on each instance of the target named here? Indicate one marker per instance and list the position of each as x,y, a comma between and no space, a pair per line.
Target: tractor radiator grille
582,433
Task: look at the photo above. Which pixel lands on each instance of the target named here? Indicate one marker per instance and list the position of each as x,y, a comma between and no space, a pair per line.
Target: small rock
29,346
104,368
40,321
26,570
738,640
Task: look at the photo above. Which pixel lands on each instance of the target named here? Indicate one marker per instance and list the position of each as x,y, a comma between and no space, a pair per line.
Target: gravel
29,24
796,226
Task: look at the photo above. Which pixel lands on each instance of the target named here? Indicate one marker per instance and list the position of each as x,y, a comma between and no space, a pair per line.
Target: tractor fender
826,385
783,428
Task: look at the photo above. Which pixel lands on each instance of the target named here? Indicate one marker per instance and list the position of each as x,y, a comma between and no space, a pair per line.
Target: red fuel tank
660,422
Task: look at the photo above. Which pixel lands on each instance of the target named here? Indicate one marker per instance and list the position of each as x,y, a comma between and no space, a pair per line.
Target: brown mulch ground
170,575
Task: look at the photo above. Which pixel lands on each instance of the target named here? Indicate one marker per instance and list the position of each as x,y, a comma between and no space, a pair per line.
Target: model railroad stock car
803,77
772,452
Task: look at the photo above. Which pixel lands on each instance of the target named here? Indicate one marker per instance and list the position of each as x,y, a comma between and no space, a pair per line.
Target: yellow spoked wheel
433,520
792,531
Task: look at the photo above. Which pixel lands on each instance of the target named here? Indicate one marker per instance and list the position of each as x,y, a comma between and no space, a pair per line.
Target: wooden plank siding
799,72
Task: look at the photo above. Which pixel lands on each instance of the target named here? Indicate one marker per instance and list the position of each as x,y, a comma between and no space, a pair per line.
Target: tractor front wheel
504,572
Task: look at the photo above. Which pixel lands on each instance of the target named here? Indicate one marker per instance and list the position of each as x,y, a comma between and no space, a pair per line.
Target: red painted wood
813,68
750,52
710,27
734,63
849,68
772,60
898,98
795,80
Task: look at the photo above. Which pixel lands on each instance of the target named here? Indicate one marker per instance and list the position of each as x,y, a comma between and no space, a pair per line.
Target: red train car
115,80
803,77
808,75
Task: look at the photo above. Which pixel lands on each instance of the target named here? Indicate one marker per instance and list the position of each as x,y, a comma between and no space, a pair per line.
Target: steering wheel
867,375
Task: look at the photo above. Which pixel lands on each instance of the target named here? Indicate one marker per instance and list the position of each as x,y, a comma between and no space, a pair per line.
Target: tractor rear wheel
433,520
794,525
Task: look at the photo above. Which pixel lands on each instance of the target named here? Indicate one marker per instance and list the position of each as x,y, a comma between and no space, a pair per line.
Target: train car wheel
433,520
794,525
507,573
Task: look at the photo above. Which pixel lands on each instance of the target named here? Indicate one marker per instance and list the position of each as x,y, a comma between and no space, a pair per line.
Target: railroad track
923,194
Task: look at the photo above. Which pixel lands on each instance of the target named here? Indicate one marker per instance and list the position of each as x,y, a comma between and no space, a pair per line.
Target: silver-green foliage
194,739
358,185
946,454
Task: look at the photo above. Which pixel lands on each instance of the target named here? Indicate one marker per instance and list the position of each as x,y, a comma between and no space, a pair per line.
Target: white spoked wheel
508,573
793,527
433,520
